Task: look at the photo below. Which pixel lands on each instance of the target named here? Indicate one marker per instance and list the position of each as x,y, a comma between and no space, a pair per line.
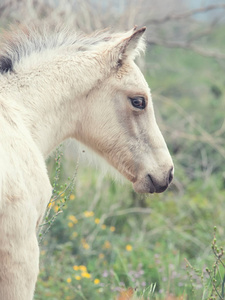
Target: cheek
97,128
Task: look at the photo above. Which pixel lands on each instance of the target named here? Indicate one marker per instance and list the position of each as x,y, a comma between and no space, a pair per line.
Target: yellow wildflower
68,279
72,197
76,268
56,208
86,246
129,247
103,226
86,275
77,277
88,214
97,221
83,268
70,224
101,255
74,234
107,245
96,281
112,228
50,204
73,219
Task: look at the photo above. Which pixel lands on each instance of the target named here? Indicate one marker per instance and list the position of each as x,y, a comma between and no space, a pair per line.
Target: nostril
170,177
157,187
151,180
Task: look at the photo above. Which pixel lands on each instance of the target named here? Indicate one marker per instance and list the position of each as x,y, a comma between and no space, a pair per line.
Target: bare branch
188,46
203,135
186,14
205,32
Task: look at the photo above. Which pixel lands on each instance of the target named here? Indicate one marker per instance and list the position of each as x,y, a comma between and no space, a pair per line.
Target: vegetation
108,242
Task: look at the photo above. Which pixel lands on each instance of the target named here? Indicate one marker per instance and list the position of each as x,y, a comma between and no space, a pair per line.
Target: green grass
129,241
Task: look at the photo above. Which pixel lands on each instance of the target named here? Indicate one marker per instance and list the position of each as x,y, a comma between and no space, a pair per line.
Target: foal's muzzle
159,187
154,182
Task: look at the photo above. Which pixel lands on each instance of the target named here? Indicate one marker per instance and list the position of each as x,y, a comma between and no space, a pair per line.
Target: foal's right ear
127,47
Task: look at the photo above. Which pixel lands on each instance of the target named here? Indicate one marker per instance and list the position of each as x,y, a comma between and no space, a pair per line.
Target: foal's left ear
129,46
134,44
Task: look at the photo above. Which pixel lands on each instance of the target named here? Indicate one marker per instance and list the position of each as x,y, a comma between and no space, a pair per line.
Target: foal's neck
54,93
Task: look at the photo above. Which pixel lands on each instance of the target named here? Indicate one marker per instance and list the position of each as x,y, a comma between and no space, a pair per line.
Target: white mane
25,40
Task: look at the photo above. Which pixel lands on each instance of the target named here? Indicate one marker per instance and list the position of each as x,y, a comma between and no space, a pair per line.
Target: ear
134,44
130,45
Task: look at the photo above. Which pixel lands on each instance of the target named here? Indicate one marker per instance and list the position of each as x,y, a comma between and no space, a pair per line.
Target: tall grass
152,245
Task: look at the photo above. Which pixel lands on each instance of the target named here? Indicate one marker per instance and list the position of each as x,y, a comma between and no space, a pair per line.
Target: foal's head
119,121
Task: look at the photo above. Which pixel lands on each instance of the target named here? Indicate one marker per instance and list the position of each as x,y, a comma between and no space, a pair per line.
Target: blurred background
100,240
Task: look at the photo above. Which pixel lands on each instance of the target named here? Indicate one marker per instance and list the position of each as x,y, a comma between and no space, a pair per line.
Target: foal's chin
142,187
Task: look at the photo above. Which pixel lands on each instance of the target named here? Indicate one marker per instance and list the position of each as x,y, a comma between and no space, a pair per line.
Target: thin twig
187,46
187,14
205,136
215,289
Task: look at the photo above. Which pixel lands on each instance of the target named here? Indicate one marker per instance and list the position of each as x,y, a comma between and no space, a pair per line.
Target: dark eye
138,102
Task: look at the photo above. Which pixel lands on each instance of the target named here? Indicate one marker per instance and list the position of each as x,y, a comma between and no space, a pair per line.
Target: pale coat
56,85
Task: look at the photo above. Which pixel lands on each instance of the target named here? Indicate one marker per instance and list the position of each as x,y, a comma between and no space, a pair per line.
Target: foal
55,85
